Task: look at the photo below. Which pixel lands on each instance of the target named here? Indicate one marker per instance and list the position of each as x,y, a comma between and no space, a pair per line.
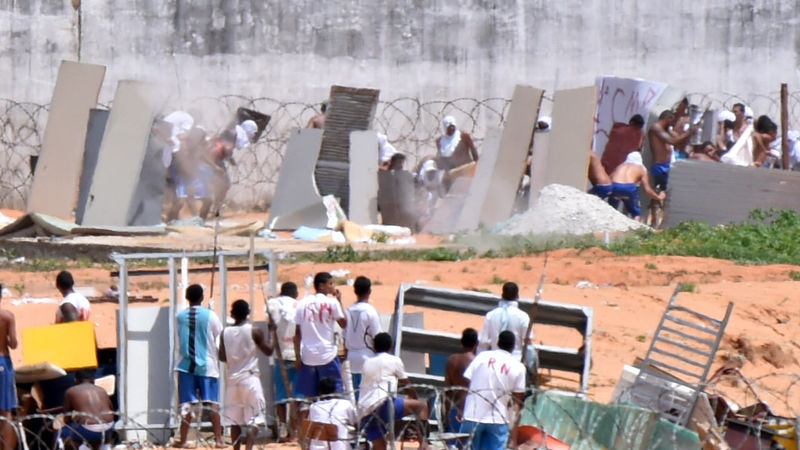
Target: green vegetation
688,287
641,338
526,266
496,279
650,266
794,275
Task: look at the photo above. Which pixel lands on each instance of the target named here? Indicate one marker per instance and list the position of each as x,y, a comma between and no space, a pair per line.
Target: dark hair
397,157
289,289
382,342
64,280
362,286
665,114
69,313
765,125
321,278
324,106
506,341
326,386
510,291
469,338
84,375
194,294
240,309
636,120
1,290
740,105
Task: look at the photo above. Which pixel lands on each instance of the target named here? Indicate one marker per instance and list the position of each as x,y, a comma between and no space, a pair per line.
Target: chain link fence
411,124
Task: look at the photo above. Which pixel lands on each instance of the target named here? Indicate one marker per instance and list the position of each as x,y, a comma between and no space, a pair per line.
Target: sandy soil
628,302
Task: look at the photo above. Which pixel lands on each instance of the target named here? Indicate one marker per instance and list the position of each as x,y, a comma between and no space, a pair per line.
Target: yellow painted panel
67,345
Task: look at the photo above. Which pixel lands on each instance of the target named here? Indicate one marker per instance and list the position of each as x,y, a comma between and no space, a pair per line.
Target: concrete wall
431,49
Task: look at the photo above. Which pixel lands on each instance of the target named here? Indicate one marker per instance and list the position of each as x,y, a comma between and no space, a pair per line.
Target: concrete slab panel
729,192
541,147
55,184
571,138
122,154
148,199
363,177
91,152
297,200
471,206
396,198
349,109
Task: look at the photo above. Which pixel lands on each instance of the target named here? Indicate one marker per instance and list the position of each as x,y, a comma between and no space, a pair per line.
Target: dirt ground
628,301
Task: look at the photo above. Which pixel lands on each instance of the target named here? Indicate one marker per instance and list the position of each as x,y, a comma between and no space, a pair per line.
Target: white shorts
244,403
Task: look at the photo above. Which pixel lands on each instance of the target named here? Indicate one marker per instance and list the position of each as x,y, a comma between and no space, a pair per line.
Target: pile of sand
565,210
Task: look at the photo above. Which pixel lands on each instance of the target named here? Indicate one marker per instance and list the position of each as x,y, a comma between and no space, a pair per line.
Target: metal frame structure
577,360
122,324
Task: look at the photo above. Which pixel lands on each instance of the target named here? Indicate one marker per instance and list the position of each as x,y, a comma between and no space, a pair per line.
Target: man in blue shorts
314,340
378,405
282,310
625,185
89,418
198,369
601,182
8,388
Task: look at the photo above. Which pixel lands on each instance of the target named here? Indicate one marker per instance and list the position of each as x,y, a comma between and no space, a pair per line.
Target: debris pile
566,210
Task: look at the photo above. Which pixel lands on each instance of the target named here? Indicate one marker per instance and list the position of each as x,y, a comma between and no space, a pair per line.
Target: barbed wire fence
769,420
411,125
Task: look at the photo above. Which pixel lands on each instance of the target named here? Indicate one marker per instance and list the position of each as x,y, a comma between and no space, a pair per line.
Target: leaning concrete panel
541,147
470,206
122,153
349,109
297,201
571,138
55,183
148,199
497,202
719,194
363,177
444,219
94,137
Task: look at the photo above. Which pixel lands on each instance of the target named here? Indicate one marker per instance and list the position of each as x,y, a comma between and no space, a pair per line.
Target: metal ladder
681,352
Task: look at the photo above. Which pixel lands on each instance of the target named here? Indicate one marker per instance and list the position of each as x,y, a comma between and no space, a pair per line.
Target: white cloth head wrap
635,157
449,143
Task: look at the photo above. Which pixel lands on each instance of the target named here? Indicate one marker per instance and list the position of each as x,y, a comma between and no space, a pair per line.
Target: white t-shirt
282,310
317,315
379,381
363,323
507,316
80,303
493,376
339,412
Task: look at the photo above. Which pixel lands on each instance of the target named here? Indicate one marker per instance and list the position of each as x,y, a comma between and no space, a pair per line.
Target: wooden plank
729,193
571,138
122,154
54,188
363,176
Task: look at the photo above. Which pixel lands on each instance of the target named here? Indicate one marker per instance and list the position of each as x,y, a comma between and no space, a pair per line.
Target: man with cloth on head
625,185
244,397
455,148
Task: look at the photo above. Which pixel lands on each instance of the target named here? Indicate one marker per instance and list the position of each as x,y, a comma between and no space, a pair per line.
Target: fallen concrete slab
297,201
58,171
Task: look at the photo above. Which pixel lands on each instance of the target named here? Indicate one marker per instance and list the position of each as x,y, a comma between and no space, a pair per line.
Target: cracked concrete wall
431,49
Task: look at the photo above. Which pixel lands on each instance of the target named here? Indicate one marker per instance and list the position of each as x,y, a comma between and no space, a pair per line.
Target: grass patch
650,266
437,278
526,266
794,275
497,279
641,338
688,287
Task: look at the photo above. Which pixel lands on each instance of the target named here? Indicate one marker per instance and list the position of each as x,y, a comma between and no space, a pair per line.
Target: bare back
628,173
454,375
8,332
91,400
597,174
659,143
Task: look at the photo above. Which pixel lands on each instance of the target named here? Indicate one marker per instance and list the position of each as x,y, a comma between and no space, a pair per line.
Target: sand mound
565,210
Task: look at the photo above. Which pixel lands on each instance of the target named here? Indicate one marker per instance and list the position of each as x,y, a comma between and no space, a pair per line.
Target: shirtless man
8,388
318,121
601,182
660,140
705,152
454,378
766,131
91,419
624,185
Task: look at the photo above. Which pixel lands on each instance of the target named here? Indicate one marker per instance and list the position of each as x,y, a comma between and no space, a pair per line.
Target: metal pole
223,305
122,340
173,297
251,264
785,126
273,274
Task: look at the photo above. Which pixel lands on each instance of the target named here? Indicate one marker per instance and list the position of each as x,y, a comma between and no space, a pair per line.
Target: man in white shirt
506,316
316,319
378,405
282,310
333,409
496,390
244,397
363,323
65,284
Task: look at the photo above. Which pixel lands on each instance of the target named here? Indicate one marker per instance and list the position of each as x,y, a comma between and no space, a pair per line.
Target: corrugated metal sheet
349,109
719,193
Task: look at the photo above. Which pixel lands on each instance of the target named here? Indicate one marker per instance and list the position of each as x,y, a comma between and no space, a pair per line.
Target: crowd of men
740,140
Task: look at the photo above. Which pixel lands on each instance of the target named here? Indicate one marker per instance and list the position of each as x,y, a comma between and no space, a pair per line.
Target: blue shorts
281,393
8,388
308,378
486,436
78,433
376,424
356,384
195,388
601,190
629,194
660,175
